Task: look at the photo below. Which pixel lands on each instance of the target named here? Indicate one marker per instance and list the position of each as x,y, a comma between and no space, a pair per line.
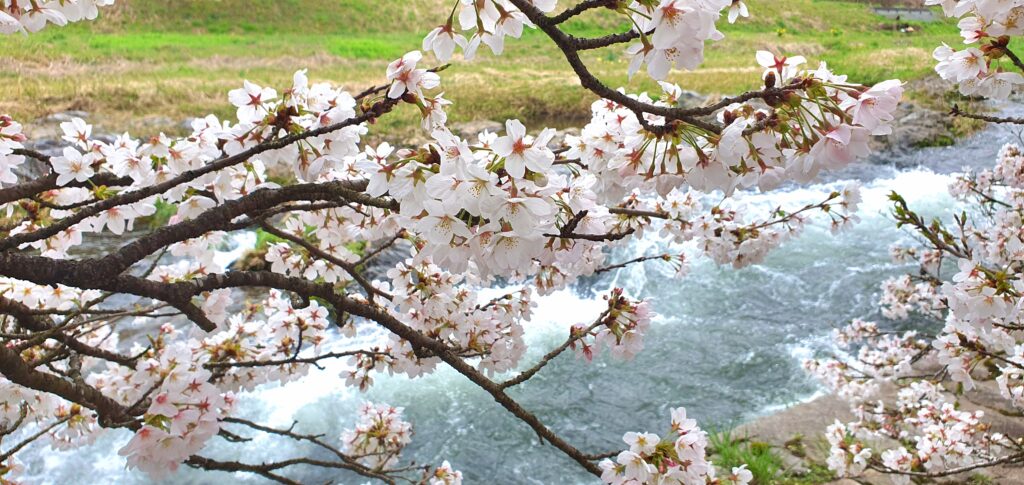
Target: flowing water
727,345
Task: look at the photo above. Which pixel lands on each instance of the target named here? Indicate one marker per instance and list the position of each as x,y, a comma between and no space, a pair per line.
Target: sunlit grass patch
150,59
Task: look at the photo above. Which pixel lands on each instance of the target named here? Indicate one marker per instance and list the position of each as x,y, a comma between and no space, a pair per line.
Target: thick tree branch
16,370
221,217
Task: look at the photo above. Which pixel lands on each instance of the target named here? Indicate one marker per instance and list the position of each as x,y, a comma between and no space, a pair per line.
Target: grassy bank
150,63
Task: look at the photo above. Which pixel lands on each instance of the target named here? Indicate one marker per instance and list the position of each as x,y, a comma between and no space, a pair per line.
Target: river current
727,344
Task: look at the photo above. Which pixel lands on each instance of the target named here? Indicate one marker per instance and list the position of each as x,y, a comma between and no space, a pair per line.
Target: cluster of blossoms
285,333
934,436
484,21
409,82
184,406
261,116
847,456
673,32
439,304
500,205
184,412
880,356
33,15
821,122
904,295
621,329
978,348
67,425
478,204
190,383
980,70
379,436
723,236
678,459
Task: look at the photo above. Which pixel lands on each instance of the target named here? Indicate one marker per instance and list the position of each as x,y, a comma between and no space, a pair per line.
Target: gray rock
810,419
158,122
691,99
792,464
471,129
914,127
558,140
65,116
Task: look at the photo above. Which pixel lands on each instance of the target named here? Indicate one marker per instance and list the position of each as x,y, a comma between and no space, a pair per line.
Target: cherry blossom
522,152
442,41
34,16
737,9
406,77
73,166
781,68
252,101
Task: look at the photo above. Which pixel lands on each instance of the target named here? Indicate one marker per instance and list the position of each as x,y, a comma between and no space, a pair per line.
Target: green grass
979,479
764,462
147,64
265,239
164,213
729,451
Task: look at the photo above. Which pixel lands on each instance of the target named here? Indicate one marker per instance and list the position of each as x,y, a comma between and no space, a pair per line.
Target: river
727,345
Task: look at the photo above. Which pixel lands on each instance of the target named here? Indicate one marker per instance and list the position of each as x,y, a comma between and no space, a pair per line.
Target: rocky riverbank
796,433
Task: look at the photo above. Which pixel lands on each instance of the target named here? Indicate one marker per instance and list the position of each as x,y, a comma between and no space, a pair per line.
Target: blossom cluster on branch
990,25
970,283
681,458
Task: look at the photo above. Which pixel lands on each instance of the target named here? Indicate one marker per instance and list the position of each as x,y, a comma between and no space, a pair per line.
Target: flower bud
432,157
792,99
992,51
404,153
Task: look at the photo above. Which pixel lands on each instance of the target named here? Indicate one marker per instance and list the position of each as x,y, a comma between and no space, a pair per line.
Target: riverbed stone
65,116
797,432
807,421
793,465
471,129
